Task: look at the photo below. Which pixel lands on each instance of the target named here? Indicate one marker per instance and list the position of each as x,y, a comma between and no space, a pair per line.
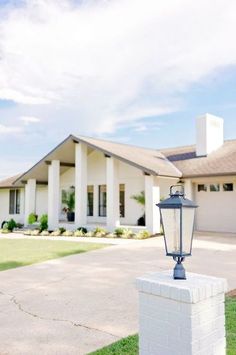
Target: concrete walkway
79,303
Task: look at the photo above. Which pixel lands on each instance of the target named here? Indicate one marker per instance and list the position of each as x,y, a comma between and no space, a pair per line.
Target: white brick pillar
188,189
152,197
30,198
53,194
80,184
113,205
182,317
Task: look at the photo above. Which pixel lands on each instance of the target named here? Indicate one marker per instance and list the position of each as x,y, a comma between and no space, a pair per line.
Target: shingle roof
9,182
150,160
220,162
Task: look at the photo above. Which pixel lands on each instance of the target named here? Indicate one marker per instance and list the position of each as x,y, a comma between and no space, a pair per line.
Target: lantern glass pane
171,224
187,228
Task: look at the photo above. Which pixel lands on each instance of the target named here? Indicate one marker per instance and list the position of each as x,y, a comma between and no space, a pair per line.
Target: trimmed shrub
110,235
84,230
5,226
35,232
19,225
68,234
11,224
89,234
32,218
123,233
56,233
5,231
127,234
62,230
79,233
143,235
99,232
44,233
119,231
43,222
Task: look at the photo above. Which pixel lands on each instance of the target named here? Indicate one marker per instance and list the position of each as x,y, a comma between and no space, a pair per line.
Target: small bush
56,233
62,230
43,222
5,226
68,234
143,235
99,232
5,231
123,232
79,233
32,218
119,231
127,234
89,234
84,230
35,232
11,225
44,233
110,235
19,225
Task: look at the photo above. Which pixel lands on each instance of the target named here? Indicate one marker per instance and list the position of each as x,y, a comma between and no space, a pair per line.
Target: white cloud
6,130
29,119
96,64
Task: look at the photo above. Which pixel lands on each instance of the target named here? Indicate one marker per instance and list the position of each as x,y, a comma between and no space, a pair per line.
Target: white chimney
210,134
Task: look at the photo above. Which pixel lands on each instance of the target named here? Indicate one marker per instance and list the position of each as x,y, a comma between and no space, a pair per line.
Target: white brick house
106,174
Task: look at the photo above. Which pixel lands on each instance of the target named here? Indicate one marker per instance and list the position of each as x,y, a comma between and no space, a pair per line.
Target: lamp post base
179,270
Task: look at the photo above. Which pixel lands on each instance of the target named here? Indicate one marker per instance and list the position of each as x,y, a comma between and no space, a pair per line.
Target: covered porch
103,170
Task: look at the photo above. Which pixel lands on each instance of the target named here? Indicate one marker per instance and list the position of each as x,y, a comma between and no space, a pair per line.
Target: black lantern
177,218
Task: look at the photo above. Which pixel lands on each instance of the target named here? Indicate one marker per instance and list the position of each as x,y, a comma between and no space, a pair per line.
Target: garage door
217,207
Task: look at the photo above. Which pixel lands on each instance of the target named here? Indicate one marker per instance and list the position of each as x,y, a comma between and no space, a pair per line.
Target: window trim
90,207
102,209
15,205
122,206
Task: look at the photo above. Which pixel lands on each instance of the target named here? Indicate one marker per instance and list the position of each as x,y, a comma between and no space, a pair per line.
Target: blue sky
112,69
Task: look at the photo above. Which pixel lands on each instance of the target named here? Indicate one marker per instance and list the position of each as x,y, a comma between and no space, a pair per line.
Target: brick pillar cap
193,290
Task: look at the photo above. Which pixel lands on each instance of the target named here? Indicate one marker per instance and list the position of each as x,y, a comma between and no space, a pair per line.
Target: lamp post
177,218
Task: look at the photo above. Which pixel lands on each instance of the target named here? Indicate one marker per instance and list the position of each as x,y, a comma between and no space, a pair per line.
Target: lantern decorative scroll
177,218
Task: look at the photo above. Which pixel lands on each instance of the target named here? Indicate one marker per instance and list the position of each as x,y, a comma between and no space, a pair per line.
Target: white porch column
53,194
30,198
80,184
113,208
152,197
188,189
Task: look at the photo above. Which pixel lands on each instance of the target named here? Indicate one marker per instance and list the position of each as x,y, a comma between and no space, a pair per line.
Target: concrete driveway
79,303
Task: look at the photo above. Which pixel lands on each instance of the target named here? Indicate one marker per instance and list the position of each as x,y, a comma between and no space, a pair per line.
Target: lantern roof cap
177,199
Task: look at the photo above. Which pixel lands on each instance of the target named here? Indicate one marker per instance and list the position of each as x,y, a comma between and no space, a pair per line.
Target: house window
215,187
122,200
102,207
201,187
90,196
228,187
14,202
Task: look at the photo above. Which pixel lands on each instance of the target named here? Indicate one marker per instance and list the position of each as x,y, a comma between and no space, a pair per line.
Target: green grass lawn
21,252
129,346
231,325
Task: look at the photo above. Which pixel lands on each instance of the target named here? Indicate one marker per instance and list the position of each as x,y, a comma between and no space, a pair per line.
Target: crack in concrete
74,324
